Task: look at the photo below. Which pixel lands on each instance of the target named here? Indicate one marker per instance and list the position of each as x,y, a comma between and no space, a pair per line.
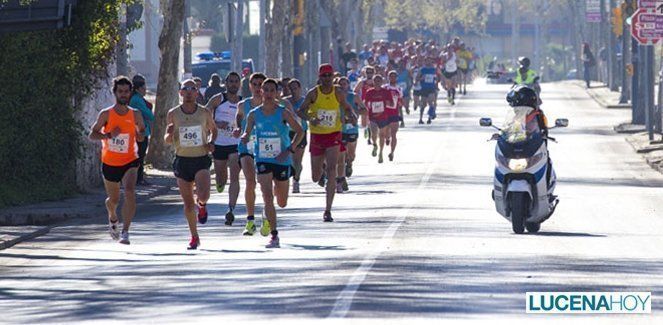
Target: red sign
646,26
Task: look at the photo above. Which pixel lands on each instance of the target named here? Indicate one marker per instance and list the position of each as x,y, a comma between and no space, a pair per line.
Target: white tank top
226,112
450,65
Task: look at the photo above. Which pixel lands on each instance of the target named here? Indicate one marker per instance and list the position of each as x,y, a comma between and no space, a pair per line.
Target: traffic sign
647,25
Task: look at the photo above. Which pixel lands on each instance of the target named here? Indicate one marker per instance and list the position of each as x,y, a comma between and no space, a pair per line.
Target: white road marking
345,298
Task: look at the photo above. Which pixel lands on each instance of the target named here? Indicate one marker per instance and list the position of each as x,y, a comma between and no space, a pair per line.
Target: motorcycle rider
522,95
527,76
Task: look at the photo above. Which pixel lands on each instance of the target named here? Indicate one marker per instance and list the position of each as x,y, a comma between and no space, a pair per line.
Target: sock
250,218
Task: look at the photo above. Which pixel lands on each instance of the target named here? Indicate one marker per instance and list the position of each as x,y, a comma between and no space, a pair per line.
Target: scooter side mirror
486,121
561,122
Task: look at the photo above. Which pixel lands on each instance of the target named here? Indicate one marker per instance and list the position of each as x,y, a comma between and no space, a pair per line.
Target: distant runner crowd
259,126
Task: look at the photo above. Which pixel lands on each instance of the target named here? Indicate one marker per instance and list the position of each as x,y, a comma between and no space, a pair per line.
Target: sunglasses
188,88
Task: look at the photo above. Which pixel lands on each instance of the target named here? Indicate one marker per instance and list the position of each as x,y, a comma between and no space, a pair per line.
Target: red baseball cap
325,68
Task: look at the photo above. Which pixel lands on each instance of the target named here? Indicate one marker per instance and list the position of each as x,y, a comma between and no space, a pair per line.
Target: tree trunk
287,40
313,35
238,38
275,29
160,154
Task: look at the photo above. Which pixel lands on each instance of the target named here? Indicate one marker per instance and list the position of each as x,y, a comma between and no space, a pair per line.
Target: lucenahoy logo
588,302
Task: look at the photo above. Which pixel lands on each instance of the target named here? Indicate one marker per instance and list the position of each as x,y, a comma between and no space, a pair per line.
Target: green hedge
43,74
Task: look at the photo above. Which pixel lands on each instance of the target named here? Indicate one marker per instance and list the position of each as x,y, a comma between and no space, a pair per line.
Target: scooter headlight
517,165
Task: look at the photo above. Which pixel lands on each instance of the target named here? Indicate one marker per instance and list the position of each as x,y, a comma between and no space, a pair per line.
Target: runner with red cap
322,108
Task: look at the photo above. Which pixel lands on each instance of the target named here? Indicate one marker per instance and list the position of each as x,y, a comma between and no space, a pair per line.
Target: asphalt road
417,238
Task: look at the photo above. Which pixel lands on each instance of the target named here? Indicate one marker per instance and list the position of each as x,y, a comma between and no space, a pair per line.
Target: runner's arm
95,132
295,126
340,96
306,105
248,129
211,126
168,137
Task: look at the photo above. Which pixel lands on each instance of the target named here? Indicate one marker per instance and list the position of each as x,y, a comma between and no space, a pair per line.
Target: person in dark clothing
138,102
214,87
588,62
347,57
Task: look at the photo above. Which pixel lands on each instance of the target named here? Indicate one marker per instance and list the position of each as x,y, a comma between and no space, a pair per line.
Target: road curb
7,241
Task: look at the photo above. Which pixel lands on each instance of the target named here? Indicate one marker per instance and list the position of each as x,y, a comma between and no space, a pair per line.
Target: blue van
219,62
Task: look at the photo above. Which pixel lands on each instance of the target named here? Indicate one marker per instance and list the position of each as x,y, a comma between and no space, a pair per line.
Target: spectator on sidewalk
214,87
200,99
588,62
347,57
139,102
246,91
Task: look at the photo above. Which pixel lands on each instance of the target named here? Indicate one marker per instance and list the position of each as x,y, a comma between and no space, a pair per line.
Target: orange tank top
122,149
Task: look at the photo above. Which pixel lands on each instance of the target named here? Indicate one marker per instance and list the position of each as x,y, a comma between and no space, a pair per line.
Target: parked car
216,62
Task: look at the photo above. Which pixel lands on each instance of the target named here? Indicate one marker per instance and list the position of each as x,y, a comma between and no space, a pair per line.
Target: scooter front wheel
519,202
533,227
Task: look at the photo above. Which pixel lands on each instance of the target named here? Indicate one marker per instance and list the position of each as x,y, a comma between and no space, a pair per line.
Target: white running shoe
114,229
124,238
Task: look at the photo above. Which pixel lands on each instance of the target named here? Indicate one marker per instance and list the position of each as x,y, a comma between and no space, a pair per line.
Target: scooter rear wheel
519,202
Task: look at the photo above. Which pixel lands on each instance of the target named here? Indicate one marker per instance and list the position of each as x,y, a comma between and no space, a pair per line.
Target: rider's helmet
524,62
522,96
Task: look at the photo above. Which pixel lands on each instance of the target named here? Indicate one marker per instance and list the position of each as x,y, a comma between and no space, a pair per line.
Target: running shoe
322,180
220,188
407,110
339,187
202,214
326,217
344,184
194,243
348,170
230,218
391,156
366,133
387,141
265,228
295,187
402,124
114,229
250,228
421,121
124,238
380,159
428,122
375,150
274,242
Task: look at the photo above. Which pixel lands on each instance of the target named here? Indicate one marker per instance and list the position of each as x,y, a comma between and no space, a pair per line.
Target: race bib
191,136
327,118
429,78
269,147
119,144
226,132
378,107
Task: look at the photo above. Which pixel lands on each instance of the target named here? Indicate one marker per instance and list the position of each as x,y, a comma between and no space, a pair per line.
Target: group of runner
265,136
420,69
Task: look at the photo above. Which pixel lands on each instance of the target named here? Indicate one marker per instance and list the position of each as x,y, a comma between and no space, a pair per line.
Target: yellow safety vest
531,75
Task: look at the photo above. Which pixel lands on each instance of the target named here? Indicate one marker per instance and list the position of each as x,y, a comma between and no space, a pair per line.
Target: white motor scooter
524,178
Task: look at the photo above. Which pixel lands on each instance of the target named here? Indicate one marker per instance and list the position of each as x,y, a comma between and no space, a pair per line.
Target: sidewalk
602,95
637,137
29,221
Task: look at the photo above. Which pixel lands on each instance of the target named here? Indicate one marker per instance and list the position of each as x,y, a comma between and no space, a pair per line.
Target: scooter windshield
517,128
